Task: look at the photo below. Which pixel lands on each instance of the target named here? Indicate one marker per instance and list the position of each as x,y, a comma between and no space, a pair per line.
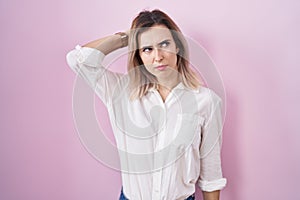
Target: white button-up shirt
165,147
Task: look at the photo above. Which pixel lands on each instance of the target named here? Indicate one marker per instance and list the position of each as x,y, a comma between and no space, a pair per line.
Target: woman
167,126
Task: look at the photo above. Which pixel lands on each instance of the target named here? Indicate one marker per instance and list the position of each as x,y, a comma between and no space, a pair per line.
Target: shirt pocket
187,131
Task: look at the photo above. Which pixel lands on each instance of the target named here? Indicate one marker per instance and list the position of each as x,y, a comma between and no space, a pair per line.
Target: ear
177,49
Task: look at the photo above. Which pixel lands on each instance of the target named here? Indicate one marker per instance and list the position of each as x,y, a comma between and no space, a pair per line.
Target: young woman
168,127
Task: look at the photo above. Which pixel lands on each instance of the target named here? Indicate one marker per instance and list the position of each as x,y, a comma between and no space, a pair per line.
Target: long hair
140,79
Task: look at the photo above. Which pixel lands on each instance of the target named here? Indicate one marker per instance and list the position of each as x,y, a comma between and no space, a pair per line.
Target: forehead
154,35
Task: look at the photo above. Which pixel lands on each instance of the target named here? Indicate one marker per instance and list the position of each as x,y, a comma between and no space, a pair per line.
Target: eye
164,44
147,49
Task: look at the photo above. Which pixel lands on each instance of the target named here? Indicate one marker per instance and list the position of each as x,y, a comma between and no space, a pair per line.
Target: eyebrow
166,40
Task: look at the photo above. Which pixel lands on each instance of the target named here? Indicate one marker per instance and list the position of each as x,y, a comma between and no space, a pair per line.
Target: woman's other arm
215,195
211,179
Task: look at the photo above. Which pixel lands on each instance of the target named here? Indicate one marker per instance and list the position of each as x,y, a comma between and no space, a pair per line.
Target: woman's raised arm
87,60
108,43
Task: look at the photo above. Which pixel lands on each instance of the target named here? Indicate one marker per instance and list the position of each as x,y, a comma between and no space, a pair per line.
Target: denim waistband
123,197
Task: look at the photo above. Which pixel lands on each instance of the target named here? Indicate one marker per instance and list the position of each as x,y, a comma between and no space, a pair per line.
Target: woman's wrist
123,38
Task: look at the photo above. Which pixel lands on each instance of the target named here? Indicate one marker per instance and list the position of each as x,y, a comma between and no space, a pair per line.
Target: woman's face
158,51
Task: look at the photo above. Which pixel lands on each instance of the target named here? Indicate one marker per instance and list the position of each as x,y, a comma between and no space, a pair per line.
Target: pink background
253,43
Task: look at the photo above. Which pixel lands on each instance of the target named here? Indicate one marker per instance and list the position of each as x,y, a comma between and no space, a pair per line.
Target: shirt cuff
89,56
210,186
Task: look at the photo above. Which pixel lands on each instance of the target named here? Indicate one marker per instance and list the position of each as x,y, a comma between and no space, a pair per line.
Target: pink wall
253,43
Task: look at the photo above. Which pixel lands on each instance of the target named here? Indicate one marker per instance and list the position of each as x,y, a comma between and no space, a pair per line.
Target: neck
168,84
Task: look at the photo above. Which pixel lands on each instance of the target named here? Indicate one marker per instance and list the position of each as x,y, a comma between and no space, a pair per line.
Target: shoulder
205,93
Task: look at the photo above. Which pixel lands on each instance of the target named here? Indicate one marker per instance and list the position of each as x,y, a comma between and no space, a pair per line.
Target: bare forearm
106,44
215,195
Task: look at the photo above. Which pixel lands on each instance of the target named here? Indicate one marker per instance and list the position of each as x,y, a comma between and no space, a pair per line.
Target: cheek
173,59
146,60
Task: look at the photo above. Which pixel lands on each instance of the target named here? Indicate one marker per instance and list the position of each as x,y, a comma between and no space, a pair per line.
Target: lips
161,67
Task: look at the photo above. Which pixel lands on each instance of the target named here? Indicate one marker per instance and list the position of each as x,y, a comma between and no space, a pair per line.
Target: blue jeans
123,197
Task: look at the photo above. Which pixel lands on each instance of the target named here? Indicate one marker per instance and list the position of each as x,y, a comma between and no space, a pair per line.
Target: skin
157,47
214,195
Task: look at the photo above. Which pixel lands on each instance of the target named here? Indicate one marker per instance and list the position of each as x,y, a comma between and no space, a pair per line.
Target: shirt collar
179,86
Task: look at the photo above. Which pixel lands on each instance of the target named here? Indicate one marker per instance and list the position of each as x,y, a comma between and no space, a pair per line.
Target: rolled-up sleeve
211,177
87,63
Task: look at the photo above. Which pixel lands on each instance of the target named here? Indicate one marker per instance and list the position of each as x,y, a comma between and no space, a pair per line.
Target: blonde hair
140,79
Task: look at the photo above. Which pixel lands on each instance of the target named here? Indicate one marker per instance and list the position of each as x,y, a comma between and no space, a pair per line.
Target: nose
158,55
